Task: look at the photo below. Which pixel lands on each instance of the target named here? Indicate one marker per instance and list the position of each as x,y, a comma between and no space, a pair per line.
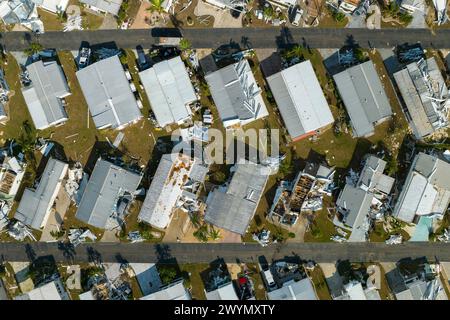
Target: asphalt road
204,253
245,37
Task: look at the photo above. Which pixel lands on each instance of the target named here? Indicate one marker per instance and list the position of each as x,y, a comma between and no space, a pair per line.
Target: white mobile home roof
167,187
234,208
294,290
236,94
175,291
108,94
54,6
426,189
169,90
225,292
364,97
107,183
50,291
108,6
43,96
300,99
35,205
416,96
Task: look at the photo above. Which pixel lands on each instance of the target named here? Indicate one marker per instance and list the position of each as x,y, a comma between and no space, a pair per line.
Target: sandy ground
143,14
178,227
110,236
222,18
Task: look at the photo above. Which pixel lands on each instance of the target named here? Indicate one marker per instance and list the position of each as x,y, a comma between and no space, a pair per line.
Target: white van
297,18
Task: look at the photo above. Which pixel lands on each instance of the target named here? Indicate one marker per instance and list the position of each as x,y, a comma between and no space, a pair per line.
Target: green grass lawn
380,235
91,21
50,20
318,279
322,228
191,274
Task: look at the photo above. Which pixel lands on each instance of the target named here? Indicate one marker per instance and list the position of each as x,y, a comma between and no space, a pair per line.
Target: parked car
297,17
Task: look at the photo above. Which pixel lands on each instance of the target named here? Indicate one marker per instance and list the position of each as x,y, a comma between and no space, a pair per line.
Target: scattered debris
134,237
445,237
77,236
263,237
394,239
74,22
338,239
76,182
20,232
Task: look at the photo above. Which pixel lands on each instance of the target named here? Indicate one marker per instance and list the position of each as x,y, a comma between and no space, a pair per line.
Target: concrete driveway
419,16
222,18
56,218
374,21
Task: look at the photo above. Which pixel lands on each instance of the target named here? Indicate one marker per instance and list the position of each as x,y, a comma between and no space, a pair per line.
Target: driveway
374,20
222,18
419,16
56,218
109,22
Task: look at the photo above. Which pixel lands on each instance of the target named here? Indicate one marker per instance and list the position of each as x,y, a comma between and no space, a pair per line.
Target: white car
298,17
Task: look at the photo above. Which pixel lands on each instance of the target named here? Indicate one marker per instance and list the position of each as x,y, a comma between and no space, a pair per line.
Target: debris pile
394,239
135,236
77,236
76,182
74,22
20,232
263,237
445,237
304,194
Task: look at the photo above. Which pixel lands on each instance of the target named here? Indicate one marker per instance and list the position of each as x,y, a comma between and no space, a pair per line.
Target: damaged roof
232,209
107,183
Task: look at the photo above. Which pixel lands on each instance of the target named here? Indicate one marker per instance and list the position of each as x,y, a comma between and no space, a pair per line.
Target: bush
405,18
291,235
219,177
167,274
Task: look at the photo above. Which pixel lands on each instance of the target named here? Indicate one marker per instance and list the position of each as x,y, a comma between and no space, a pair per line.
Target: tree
27,143
202,233
268,12
195,219
167,274
285,168
219,177
185,44
296,51
34,48
213,233
157,6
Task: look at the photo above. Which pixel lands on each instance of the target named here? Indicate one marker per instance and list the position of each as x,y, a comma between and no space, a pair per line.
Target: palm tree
213,233
296,51
195,219
27,142
34,48
157,6
268,12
